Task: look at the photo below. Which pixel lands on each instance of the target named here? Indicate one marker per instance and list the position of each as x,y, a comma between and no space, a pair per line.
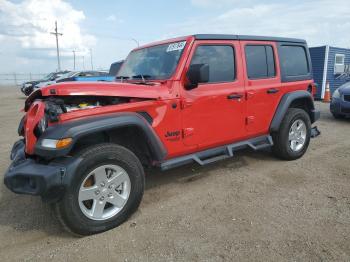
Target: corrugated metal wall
331,78
317,55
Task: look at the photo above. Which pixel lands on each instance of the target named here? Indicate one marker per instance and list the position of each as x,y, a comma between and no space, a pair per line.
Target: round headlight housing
41,127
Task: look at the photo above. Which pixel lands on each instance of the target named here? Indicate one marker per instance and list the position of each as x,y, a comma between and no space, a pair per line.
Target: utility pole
83,62
92,66
74,59
58,52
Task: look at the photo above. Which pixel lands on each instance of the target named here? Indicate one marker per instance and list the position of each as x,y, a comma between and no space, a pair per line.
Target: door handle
234,96
272,91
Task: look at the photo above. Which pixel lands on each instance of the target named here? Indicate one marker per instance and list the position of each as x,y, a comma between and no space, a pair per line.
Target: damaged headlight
20,129
41,127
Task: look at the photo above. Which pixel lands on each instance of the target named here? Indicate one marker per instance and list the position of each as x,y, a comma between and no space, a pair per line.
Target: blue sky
107,27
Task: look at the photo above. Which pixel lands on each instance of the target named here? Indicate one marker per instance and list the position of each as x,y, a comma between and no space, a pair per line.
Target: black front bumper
27,176
315,115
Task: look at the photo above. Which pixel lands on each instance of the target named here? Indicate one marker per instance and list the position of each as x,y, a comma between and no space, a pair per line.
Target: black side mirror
197,73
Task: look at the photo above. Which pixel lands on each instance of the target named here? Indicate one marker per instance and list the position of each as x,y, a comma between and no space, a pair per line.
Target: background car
87,76
340,104
95,75
75,76
28,87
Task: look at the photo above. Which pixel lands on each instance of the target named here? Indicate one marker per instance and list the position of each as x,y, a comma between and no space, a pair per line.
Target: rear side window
260,61
220,59
293,60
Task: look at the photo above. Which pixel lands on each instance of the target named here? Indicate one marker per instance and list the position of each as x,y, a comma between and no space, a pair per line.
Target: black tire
338,116
68,210
281,147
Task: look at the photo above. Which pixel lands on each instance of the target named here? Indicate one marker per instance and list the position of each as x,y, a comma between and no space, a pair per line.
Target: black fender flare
285,103
76,129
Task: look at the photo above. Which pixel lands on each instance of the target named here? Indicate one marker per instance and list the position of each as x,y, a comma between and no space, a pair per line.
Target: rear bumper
26,176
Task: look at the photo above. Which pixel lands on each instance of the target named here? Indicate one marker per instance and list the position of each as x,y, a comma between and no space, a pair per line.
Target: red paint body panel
213,118
107,89
33,116
203,117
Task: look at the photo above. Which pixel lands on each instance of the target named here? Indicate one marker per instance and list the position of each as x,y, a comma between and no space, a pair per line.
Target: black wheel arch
106,126
297,99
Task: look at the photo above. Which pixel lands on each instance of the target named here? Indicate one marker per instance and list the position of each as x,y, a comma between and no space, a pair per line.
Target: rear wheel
105,191
293,137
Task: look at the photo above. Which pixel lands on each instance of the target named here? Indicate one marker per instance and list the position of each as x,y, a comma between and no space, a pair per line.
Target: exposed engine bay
64,104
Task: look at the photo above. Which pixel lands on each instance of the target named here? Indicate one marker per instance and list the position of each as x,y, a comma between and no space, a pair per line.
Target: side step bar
218,153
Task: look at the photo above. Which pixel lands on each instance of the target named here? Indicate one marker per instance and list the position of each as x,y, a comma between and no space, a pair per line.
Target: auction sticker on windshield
176,46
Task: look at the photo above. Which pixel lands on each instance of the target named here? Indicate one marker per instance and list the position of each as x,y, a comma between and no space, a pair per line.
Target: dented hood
104,89
155,90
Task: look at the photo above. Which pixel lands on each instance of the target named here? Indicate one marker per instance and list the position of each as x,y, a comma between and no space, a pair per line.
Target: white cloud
111,18
213,4
31,21
320,22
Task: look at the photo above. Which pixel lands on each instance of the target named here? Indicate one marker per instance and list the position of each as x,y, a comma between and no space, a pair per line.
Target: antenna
137,42
74,59
58,51
92,66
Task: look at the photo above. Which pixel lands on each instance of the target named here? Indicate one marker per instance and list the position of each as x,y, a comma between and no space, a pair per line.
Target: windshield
156,62
70,74
48,77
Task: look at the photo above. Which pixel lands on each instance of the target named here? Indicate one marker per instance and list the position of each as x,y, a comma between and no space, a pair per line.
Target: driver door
213,113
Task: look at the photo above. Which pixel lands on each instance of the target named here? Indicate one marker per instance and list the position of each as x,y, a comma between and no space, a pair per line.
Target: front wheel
105,191
293,137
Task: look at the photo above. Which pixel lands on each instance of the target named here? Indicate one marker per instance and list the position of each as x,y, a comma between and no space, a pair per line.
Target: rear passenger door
263,84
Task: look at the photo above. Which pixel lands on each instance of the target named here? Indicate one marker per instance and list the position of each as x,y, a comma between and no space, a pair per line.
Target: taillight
314,89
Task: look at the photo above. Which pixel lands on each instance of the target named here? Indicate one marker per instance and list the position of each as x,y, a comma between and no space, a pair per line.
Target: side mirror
197,73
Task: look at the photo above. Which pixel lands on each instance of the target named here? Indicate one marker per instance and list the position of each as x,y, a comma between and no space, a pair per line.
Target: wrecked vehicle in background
28,87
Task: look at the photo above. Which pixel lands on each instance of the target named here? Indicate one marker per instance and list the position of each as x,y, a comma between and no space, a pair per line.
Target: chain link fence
17,79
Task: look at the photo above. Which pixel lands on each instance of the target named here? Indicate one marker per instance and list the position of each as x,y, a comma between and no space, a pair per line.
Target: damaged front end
55,106
47,111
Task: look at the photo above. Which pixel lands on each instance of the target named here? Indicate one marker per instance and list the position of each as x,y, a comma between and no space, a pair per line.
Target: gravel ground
249,208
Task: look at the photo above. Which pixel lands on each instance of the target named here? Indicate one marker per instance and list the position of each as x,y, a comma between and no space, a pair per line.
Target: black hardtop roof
247,37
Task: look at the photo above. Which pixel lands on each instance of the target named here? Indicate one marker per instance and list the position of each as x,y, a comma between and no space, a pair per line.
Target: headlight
336,94
41,127
56,144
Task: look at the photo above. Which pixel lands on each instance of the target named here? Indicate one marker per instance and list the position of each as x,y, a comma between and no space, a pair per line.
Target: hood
155,90
104,89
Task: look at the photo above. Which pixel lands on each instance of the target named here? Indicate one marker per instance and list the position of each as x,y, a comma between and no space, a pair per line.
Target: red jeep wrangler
191,99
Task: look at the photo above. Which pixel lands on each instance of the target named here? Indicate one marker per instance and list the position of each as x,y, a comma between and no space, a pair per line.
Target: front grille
347,98
345,110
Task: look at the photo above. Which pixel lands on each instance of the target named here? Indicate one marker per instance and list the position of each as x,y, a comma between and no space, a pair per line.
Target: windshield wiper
143,77
122,78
